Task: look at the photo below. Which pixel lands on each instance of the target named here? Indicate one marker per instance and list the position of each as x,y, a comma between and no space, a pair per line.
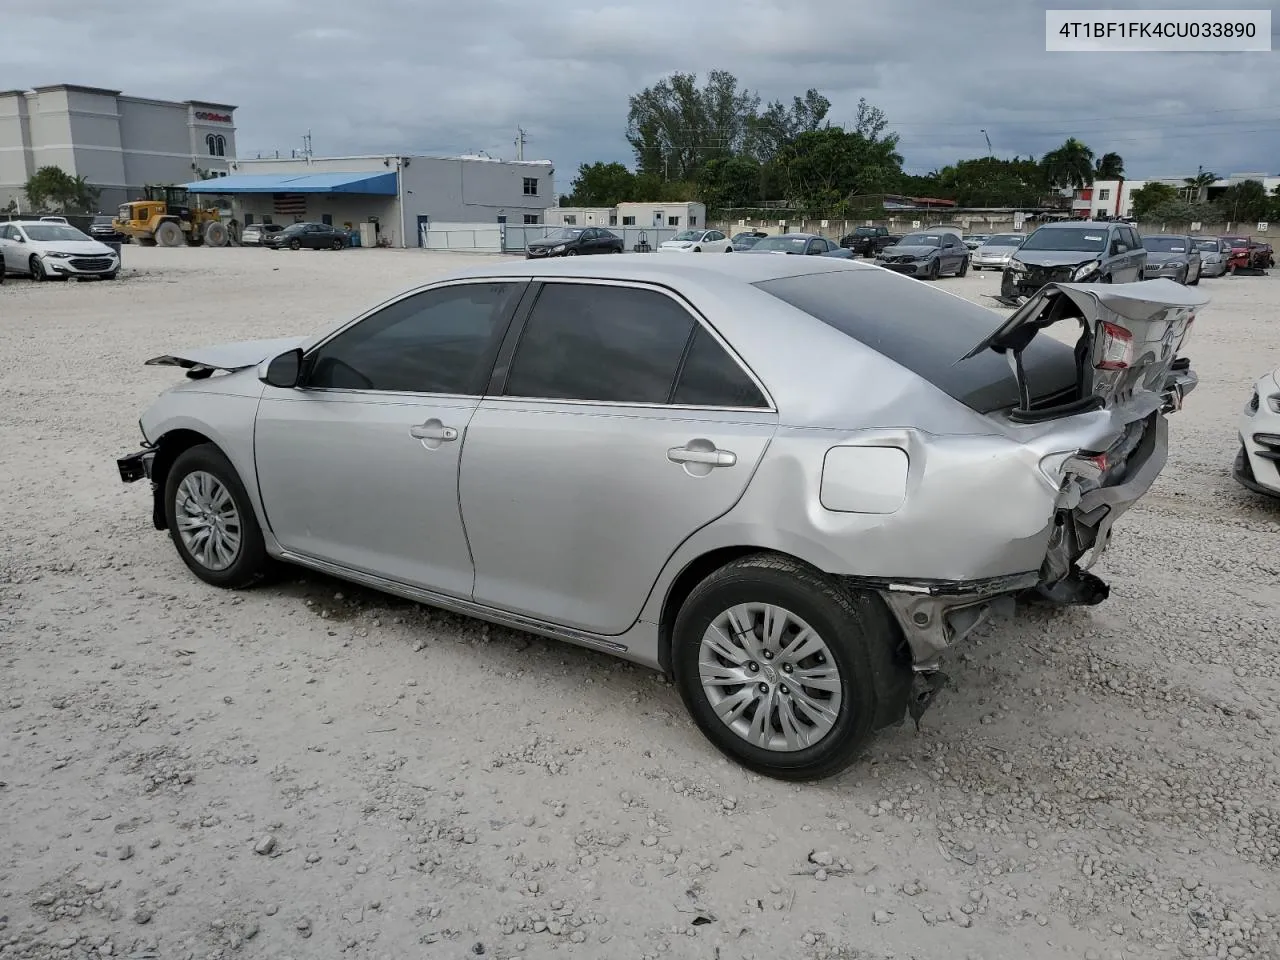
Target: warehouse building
386,199
117,143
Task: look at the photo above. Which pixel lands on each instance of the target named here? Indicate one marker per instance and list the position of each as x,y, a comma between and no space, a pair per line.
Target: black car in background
102,229
1076,251
573,242
313,236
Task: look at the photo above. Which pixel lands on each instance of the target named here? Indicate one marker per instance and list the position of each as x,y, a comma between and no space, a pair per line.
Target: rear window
926,331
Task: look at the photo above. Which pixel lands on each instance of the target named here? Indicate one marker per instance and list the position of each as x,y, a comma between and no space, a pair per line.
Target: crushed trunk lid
203,361
1128,348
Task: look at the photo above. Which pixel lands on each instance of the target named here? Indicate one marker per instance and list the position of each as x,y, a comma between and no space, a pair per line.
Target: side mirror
284,370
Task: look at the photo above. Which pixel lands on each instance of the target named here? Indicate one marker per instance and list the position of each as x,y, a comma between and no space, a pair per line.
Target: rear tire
169,234
204,495
851,677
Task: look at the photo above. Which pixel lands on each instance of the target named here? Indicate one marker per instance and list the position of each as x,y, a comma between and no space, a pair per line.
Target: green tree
1150,197
726,182
826,168
770,130
991,182
1110,166
1245,201
602,185
53,188
1179,210
1070,165
675,126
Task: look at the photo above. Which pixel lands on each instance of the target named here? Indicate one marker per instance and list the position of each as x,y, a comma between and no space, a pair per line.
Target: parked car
255,234
697,241
1257,463
54,251
1248,254
102,228
747,239
621,457
1214,254
868,241
312,236
53,220
575,241
802,244
974,240
927,254
1076,252
1175,256
995,252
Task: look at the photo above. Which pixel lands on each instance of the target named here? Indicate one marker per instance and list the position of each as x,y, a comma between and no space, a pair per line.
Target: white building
1114,198
399,194
117,143
677,216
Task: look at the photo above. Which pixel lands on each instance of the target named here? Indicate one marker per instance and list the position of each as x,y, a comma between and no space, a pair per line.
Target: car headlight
58,255
1085,270
1016,266
558,248
1273,402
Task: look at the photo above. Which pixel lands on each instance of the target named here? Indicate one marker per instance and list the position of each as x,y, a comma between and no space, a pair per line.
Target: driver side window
438,341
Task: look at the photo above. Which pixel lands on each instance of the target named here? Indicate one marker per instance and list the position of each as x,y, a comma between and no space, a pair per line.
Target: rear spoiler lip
1139,300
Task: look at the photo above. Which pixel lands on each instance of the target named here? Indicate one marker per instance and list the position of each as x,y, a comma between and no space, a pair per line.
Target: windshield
1237,241
563,235
784,244
1067,238
47,232
1165,244
921,240
688,235
1005,240
1209,245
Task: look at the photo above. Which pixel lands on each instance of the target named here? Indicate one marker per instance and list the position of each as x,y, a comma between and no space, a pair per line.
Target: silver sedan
792,483
995,252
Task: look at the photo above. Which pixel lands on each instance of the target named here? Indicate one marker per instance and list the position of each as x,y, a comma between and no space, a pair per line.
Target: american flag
289,204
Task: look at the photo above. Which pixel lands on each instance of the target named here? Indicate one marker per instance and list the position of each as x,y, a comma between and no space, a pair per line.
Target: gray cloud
434,76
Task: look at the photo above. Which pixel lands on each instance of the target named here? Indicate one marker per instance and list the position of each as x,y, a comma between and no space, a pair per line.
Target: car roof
649,268
1060,224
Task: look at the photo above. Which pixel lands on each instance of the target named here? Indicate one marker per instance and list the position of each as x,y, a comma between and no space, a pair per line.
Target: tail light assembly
1117,348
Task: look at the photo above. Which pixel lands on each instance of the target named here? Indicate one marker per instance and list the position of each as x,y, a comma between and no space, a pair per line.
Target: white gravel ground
314,770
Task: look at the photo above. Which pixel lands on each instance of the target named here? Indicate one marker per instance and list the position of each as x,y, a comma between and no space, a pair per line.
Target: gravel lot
314,770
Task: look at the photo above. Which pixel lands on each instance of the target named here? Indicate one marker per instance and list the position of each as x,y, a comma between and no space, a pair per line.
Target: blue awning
379,184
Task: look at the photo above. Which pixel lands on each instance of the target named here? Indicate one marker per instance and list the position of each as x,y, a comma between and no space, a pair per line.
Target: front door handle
699,454
433,430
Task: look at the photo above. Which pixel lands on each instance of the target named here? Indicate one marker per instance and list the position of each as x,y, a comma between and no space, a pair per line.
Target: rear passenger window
712,378
599,342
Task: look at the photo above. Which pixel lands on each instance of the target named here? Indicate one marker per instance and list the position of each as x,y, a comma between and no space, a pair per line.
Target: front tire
211,520
784,670
295,245
964,268
38,272
169,234
337,244
935,270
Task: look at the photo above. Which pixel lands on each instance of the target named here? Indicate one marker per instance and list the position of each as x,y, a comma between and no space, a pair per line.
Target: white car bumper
82,265
1257,464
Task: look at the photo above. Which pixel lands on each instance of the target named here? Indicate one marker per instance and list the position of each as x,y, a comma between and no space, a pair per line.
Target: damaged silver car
791,483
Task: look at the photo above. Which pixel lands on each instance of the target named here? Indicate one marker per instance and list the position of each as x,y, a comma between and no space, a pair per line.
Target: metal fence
513,238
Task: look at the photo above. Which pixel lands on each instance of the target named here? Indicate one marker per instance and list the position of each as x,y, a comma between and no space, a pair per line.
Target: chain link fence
513,238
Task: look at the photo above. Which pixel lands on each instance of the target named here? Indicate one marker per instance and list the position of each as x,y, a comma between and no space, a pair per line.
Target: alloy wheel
208,520
770,677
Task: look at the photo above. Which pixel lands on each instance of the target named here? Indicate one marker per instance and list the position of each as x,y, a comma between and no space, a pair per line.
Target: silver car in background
994,252
1174,256
790,482
1215,255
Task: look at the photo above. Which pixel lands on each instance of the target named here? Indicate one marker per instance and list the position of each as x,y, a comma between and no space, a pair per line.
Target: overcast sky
449,77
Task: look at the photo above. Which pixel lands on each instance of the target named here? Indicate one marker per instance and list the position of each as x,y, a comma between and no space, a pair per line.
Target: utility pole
989,153
520,142
306,145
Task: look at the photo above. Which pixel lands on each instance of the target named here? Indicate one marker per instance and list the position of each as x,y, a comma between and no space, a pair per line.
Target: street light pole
988,139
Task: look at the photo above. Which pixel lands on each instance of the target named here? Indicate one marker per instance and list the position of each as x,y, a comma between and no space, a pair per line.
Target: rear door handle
712,458
433,430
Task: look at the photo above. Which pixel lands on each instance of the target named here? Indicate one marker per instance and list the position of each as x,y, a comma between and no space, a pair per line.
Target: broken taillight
1117,347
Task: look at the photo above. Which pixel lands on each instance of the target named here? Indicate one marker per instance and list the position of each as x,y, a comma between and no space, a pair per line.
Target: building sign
213,117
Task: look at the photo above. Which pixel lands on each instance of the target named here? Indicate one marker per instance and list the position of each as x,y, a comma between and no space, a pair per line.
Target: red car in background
1247,253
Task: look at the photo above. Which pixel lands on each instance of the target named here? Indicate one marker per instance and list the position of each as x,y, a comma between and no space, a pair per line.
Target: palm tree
1197,185
1071,165
1110,166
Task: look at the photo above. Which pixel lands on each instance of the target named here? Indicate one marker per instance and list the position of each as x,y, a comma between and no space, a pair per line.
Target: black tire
111,276
337,244
295,245
251,564
168,234
697,249
935,270
1183,278
1196,281
964,268
859,631
571,253
37,270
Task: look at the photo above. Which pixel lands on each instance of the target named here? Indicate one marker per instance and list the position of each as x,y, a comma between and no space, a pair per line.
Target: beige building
117,143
